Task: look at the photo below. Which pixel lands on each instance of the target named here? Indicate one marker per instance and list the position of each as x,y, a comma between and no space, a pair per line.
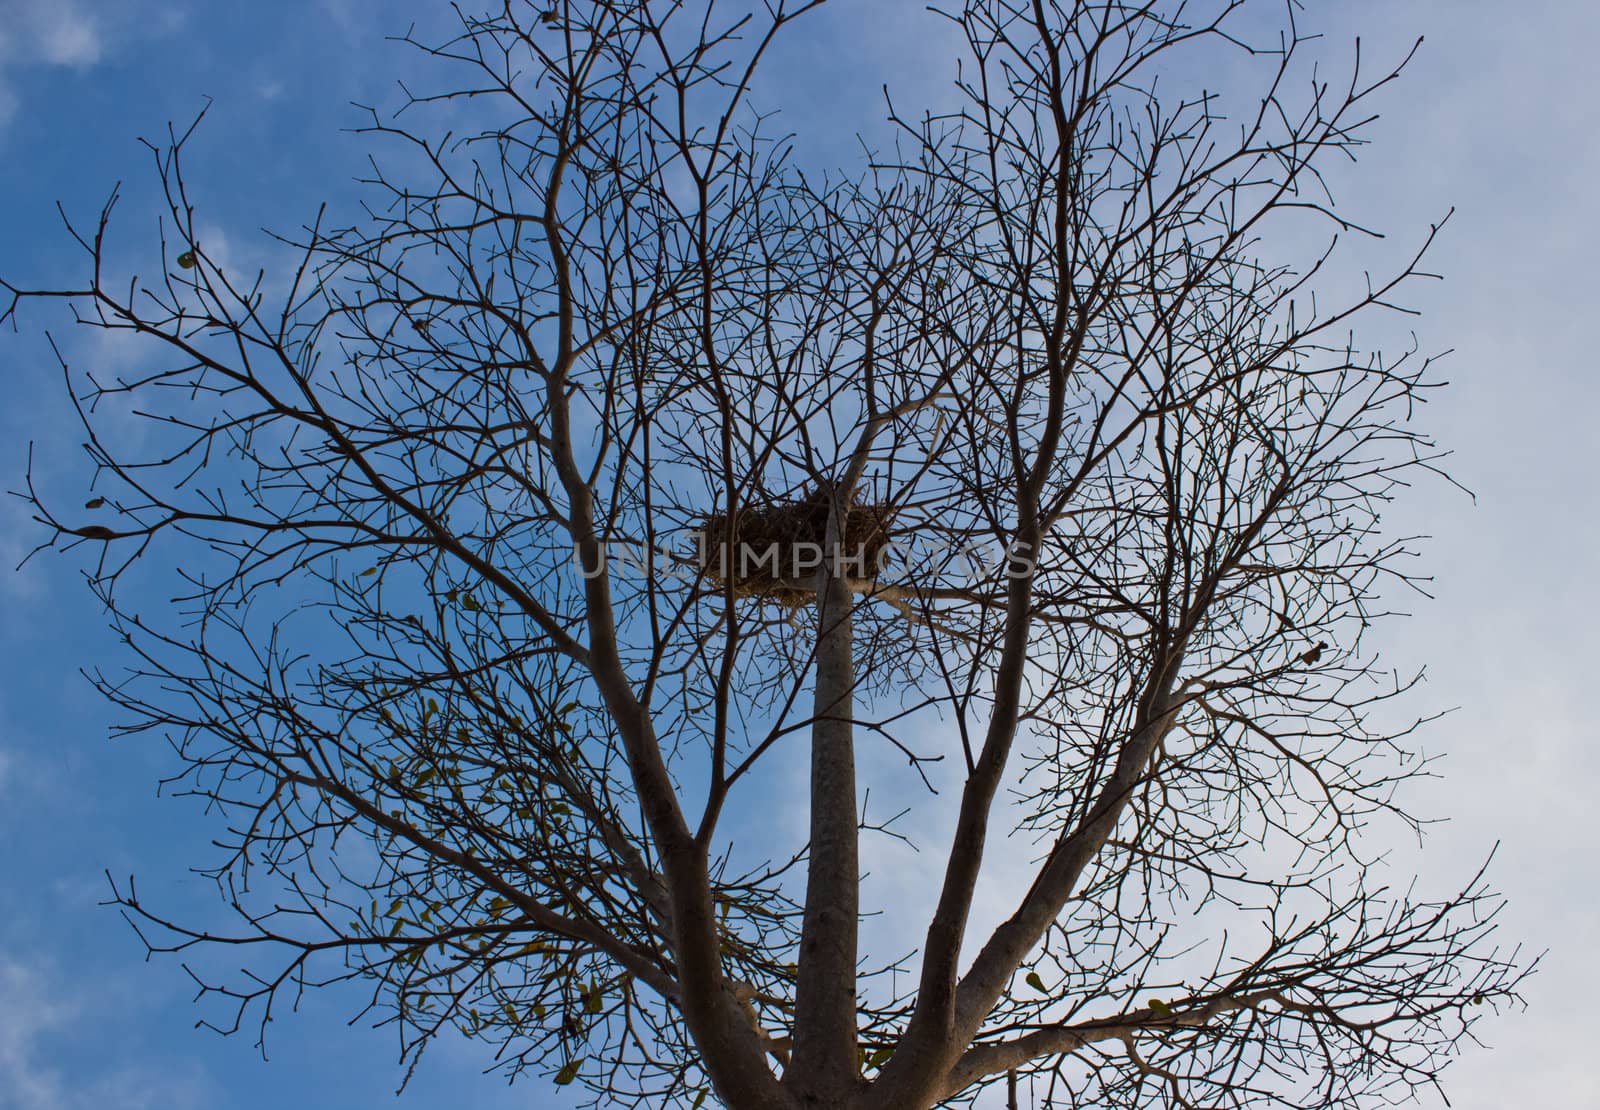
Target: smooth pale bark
825,1070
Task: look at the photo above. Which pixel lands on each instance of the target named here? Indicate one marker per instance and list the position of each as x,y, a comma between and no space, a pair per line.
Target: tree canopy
533,530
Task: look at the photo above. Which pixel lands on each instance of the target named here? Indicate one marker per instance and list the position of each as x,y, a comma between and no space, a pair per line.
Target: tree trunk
825,1070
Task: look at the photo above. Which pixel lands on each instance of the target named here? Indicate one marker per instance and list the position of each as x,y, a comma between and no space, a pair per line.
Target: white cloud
48,32
34,1009
26,1009
66,35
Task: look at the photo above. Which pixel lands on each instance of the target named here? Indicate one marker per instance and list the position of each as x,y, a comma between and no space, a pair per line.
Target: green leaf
568,1072
594,1001
1033,980
426,777
879,1057
700,1099
369,572
470,604
1160,1008
186,260
95,504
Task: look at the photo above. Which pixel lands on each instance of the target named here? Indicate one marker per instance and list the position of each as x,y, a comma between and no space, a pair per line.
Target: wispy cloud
45,32
59,32
34,1008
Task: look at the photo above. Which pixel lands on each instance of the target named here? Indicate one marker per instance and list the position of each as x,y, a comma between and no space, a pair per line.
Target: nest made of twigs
771,551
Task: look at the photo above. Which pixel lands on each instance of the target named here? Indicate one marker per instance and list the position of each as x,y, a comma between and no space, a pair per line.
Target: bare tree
533,521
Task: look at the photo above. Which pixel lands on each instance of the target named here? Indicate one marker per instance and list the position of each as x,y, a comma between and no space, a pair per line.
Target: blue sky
1498,118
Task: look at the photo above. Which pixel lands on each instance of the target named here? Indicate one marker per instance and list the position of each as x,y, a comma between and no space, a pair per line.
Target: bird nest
774,552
